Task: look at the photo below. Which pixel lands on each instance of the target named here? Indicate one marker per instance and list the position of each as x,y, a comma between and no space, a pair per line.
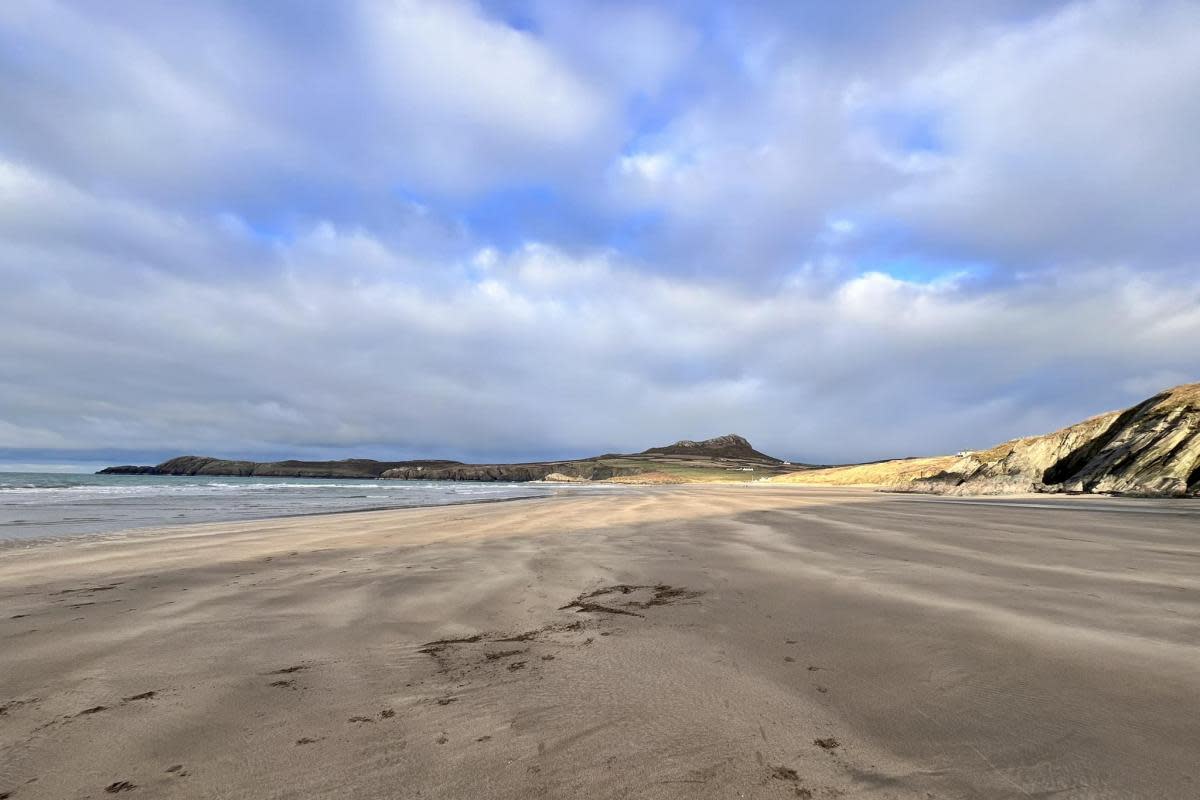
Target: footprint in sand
791,776
289,670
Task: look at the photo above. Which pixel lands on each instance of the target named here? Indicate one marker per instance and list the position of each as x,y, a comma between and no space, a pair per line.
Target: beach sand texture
664,642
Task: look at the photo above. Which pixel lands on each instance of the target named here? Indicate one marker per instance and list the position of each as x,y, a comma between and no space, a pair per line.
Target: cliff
1150,449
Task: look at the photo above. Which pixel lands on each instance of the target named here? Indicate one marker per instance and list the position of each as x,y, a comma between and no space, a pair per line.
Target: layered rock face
1150,449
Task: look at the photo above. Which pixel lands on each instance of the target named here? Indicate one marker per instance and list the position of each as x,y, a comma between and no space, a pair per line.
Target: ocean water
37,505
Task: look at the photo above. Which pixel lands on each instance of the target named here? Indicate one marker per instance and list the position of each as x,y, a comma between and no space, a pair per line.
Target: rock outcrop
1151,449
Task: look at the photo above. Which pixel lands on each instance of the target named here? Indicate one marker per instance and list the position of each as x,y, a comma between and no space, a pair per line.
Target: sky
546,228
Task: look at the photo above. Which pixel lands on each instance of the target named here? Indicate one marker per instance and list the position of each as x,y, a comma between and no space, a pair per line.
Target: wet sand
666,642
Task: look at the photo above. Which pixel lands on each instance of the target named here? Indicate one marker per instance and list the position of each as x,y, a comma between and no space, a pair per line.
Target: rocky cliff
1151,449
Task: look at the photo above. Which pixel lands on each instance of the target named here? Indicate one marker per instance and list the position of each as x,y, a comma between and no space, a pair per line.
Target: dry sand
793,642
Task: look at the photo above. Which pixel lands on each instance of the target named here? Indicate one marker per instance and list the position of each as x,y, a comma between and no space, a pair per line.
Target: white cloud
634,46
1071,138
473,99
651,167
191,104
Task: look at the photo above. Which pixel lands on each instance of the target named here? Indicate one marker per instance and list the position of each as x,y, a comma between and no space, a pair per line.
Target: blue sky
535,228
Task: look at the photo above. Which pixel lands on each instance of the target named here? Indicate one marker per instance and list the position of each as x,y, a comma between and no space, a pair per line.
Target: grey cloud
1070,139
546,354
212,102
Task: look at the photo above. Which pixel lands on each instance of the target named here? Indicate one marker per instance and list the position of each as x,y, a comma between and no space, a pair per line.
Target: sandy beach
662,642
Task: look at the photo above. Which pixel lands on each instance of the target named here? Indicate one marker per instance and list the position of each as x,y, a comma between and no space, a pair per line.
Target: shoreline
1051,501
8,543
37,507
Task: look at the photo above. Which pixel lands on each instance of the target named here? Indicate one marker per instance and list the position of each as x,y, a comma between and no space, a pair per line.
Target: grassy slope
883,473
695,469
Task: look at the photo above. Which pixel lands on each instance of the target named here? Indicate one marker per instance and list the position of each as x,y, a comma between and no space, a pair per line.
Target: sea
35,505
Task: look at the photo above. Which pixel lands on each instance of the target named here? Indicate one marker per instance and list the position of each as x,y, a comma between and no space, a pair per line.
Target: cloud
476,101
636,48
524,229
215,103
548,353
1068,139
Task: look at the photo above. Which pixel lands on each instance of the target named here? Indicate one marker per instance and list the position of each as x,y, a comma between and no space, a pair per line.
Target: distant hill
1150,449
204,465
728,446
723,458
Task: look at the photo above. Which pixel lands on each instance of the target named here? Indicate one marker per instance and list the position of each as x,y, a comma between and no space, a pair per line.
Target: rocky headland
728,457
1151,449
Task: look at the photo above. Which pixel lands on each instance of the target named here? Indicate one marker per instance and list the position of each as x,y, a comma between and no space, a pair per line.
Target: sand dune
663,642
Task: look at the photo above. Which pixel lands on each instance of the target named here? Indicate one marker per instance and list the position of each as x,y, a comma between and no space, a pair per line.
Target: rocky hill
1151,449
728,446
203,465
